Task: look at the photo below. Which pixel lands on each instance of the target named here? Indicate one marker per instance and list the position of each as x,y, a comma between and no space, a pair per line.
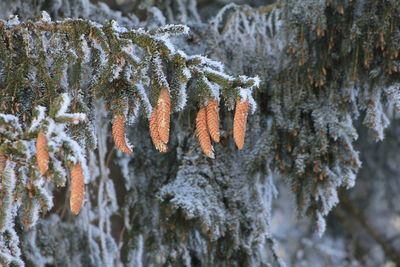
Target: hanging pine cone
202,133
154,134
42,153
213,120
239,123
118,133
77,189
3,160
163,115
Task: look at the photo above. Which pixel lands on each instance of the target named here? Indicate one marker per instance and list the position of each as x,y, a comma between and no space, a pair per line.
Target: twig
351,209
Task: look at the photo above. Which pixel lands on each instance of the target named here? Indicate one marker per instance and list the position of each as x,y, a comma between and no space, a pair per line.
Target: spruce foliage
70,85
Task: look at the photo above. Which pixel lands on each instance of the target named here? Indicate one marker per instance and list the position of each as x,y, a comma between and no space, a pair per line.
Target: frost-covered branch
52,72
329,64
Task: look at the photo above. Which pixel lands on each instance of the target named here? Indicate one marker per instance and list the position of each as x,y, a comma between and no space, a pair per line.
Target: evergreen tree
159,133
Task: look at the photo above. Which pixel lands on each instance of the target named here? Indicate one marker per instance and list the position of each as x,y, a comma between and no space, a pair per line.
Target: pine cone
239,122
202,133
77,189
118,133
155,137
163,115
3,160
42,153
213,120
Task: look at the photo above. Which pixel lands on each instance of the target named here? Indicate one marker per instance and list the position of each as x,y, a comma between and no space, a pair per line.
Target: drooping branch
328,63
51,74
